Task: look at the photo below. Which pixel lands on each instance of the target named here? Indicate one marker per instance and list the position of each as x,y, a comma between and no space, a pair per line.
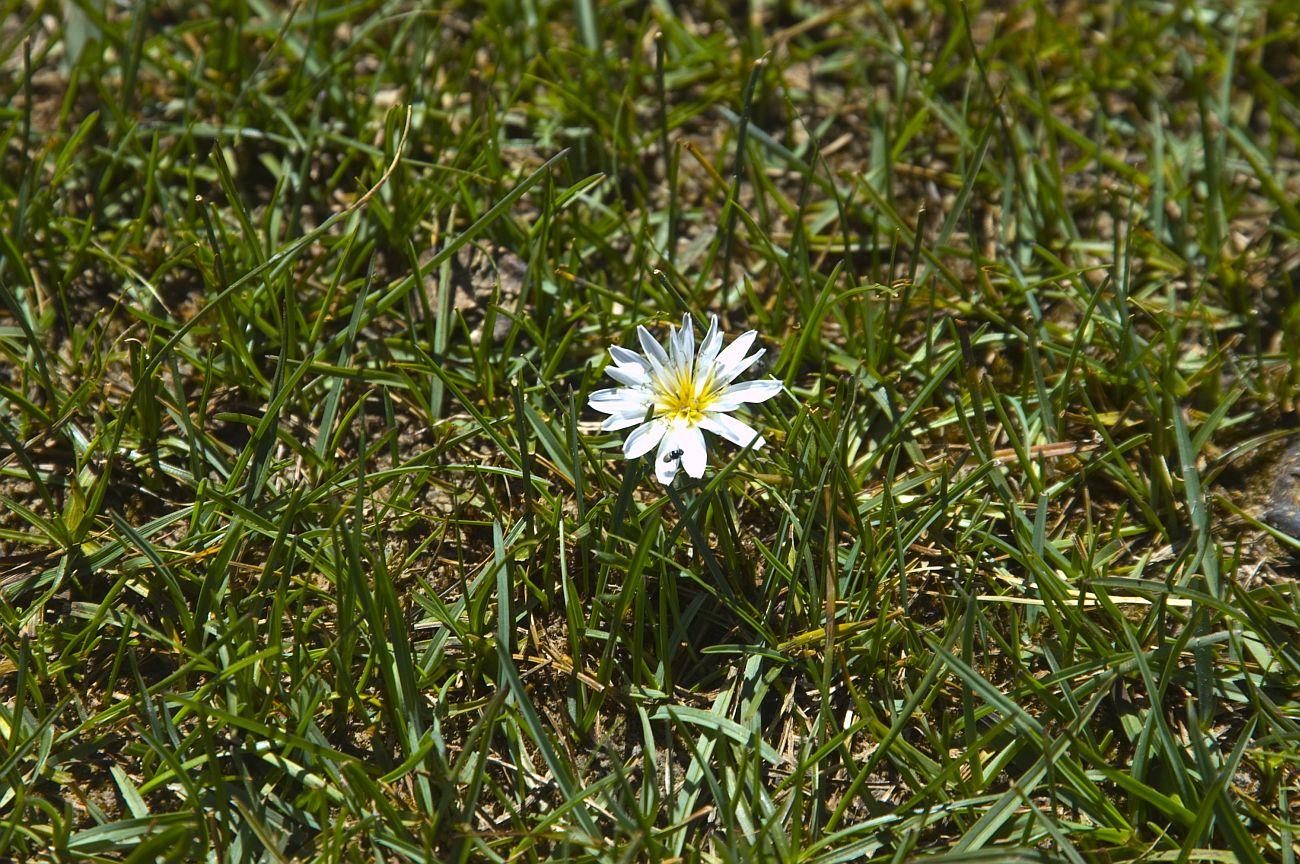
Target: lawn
312,547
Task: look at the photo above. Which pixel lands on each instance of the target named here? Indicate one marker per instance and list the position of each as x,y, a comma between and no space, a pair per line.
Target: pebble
1283,506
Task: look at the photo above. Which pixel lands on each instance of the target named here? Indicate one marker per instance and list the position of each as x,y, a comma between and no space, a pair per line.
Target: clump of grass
311,550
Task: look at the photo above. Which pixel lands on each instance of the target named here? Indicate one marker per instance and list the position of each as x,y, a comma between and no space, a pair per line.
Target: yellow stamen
680,400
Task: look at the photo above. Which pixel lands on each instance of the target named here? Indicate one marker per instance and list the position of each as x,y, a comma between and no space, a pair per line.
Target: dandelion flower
684,394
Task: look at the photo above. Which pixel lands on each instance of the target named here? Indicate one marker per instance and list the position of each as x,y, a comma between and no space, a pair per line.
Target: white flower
689,394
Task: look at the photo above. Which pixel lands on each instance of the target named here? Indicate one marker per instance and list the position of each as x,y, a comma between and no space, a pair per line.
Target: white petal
674,347
633,376
694,454
682,446
654,352
711,345
622,420
735,431
666,461
734,354
619,399
624,357
644,438
746,391
729,374
686,343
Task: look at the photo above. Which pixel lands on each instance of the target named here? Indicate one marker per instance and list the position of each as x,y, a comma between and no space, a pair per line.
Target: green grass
302,558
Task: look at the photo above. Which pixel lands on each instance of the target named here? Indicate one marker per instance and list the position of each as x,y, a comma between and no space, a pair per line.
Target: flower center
681,401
